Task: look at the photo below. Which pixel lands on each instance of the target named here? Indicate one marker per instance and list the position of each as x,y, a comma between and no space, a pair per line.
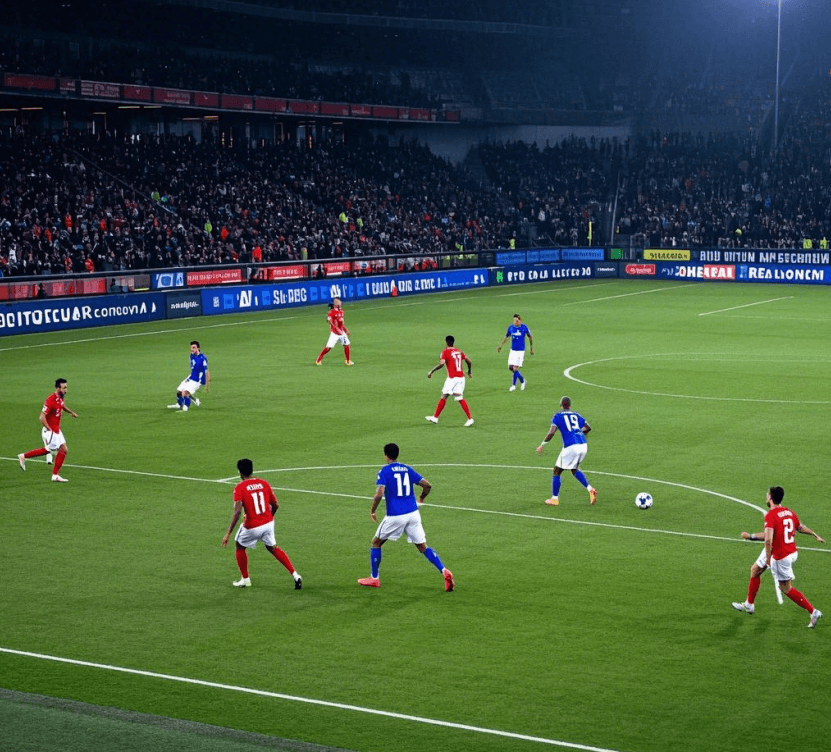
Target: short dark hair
245,467
565,402
450,340
777,493
194,342
391,450
517,316
58,382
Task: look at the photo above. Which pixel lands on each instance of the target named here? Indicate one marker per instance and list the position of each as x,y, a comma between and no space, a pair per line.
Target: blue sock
375,561
516,373
556,480
582,478
180,400
520,377
187,401
433,558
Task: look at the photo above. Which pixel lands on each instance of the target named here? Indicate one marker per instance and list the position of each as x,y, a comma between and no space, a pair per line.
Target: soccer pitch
603,627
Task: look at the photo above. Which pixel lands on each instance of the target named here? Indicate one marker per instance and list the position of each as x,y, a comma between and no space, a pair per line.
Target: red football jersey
256,497
784,523
336,320
453,358
53,409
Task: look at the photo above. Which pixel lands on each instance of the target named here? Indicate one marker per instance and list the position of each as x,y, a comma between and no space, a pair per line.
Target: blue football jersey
517,335
570,425
198,368
399,482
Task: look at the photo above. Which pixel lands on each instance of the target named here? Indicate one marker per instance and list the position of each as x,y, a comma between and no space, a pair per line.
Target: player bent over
256,498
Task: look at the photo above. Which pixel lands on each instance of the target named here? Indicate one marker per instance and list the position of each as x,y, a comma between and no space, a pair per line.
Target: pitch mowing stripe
307,700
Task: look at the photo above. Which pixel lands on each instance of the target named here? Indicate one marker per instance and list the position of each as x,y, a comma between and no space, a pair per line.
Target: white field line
631,294
339,495
746,305
307,700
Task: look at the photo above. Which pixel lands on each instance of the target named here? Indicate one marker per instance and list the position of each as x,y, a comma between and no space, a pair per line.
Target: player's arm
376,500
71,412
234,519
531,341
207,380
425,489
469,367
805,529
548,437
753,536
435,368
42,418
586,428
504,340
768,545
273,503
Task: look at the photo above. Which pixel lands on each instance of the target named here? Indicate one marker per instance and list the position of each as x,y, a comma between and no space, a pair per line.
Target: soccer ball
643,500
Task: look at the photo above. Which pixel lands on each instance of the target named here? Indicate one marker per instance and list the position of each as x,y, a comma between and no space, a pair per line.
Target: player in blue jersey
517,332
199,376
397,482
573,429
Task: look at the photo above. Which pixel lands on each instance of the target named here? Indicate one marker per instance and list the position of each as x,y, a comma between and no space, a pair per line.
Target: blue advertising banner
80,313
732,256
535,256
292,294
513,275
781,273
582,254
167,280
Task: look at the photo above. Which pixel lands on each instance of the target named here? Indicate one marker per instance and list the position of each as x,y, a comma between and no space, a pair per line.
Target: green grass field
602,627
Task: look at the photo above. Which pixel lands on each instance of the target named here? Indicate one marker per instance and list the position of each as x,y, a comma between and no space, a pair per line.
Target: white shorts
392,528
335,338
248,537
191,387
782,569
516,358
454,385
570,457
52,440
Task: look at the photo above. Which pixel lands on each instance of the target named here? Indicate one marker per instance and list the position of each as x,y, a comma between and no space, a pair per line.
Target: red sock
59,458
281,556
753,588
800,599
242,561
323,352
465,408
440,407
346,351
35,453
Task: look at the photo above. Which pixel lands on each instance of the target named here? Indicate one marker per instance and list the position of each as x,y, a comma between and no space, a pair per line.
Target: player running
53,440
451,358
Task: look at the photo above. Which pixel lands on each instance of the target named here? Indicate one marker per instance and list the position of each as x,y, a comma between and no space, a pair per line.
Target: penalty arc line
307,700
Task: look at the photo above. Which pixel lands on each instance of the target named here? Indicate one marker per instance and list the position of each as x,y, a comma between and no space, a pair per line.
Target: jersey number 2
787,530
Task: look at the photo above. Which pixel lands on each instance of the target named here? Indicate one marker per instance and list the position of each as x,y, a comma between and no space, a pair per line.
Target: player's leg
283,558
757,569
584,481
322,353
241,554
21,458
556,482
374,580
434,418
433,558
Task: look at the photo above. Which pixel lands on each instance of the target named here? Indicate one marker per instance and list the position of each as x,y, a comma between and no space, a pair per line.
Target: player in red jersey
53,440
256,498
337,332
780,553
451,358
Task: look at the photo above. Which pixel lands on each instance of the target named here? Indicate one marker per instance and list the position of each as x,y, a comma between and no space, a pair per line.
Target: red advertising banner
403,113
139,93
453,116
305,108
360,110
100,90
267,104
640,270
369,267
236,102
67,86
171,96
203,99
420,114
92,286
334,267
384,112
21,81
218,277
329,108
294,271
